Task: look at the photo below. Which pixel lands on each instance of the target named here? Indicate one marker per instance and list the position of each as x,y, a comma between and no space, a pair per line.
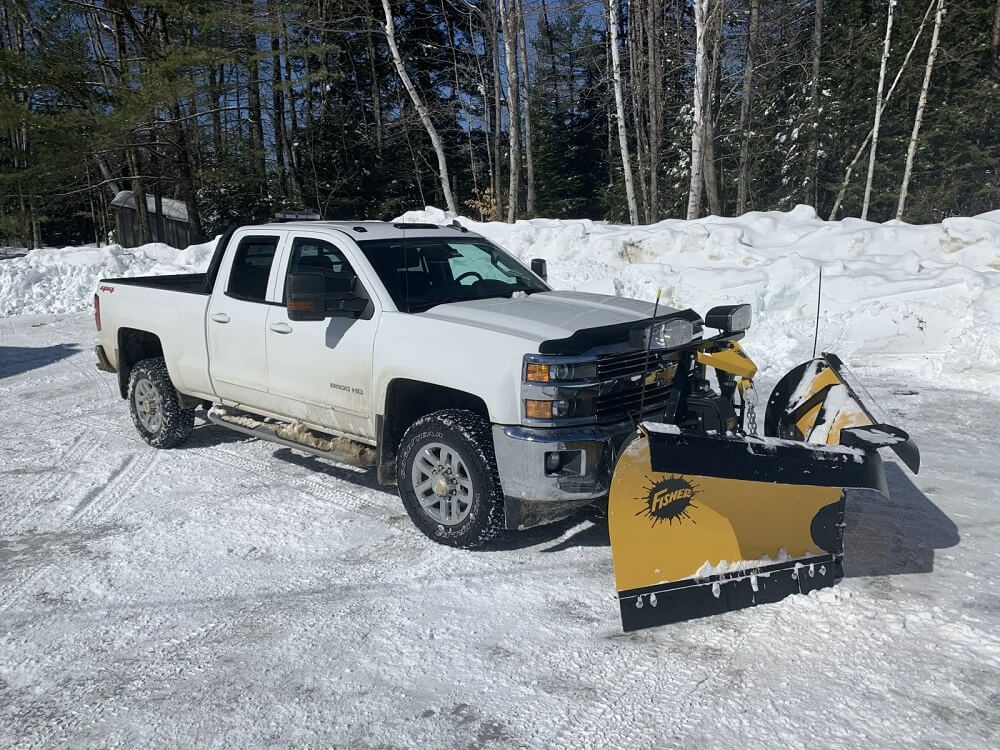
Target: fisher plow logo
668,500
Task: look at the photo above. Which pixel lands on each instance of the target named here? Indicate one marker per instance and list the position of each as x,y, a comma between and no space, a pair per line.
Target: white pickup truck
426,351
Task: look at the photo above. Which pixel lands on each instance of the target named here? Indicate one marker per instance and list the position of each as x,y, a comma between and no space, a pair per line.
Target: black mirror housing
316,296
540,268
305,296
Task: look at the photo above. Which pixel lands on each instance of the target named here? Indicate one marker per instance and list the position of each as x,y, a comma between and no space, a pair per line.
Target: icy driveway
233,594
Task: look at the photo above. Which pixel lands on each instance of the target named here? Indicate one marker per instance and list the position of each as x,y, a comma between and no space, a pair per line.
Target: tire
461,441
155,406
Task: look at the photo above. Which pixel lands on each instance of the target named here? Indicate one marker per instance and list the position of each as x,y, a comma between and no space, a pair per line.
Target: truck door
237,319
323,368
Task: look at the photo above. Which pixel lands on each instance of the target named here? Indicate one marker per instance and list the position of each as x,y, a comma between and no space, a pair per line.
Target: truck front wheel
448,481
156,409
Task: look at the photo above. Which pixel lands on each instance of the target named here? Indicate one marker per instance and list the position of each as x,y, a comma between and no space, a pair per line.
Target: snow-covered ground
232,593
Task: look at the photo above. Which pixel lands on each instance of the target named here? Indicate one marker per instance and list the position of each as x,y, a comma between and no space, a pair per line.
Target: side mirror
315,296
305,295
540,268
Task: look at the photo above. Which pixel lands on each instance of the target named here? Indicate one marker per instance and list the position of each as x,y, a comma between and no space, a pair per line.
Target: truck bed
190,283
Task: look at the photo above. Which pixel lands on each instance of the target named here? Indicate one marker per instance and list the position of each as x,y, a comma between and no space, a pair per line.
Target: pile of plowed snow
64,280
921,298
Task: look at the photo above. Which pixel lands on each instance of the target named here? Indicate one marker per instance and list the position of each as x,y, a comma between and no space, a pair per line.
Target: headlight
730,318
666,334
670,334
559,372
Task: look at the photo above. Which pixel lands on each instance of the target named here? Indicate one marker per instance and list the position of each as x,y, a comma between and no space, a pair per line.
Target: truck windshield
422,272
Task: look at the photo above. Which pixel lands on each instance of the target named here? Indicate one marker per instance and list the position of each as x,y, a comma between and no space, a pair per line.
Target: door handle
281,328
220,317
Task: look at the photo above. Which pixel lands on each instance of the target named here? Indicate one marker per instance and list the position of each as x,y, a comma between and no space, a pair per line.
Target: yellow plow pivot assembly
704,523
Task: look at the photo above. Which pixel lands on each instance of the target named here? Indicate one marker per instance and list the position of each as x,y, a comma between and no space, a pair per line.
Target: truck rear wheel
448,481
156,409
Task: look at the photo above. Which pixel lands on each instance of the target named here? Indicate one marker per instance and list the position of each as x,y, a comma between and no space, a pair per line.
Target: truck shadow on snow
16,360
898,535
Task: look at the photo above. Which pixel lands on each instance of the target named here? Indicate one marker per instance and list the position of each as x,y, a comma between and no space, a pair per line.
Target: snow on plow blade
704,524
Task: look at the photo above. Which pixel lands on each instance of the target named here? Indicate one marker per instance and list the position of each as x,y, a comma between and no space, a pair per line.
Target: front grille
627,364
621,390
615,407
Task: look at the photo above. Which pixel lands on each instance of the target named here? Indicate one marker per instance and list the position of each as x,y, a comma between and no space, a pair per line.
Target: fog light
564,463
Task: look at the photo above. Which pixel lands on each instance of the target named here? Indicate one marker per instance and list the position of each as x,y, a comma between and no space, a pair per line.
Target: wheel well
406,401
134,346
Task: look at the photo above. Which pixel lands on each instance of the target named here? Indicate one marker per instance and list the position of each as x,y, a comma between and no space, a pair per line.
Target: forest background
622,110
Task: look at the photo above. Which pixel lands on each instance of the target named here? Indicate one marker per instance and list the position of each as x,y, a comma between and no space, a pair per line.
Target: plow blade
821,401
703,524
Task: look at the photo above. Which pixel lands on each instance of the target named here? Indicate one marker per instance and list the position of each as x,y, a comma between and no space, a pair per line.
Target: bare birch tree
508,27
711,106
697,134
879,105
918,118
616,80
529,151
743,181
864,144
812,193
425,118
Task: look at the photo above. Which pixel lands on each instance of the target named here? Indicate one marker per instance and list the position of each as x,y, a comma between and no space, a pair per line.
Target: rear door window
252,268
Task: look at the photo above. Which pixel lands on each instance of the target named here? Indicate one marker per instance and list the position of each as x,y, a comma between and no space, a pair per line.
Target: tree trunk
425,118
879,104
654,90
278,102
634,86
139,192
253,101
996,34
497,115
529,160
488,120
616,79
743,181
708,126
508,26
812,190
921,103
697,130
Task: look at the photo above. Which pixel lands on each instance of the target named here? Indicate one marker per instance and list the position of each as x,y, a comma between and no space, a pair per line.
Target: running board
357,454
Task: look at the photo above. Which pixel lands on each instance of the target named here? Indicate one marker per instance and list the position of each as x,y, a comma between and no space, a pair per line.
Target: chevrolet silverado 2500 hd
426,351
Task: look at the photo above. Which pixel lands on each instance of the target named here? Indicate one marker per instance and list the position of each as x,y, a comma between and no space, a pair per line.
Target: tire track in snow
320,485
639,692
97,504
39,493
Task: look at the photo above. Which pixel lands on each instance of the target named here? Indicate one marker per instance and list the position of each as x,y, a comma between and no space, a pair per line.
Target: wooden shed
176,229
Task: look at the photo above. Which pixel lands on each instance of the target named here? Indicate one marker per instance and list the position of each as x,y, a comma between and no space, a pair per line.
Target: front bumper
536,495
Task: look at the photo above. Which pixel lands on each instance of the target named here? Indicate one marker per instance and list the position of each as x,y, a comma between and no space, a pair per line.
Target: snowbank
925,299
64,280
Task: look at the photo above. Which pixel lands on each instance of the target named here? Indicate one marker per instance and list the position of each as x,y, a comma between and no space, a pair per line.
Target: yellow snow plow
706,517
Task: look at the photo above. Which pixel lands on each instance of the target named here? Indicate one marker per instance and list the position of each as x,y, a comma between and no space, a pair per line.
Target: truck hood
545,315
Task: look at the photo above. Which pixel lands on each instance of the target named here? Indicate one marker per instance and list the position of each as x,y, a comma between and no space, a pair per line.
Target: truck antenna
819,299
645,360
